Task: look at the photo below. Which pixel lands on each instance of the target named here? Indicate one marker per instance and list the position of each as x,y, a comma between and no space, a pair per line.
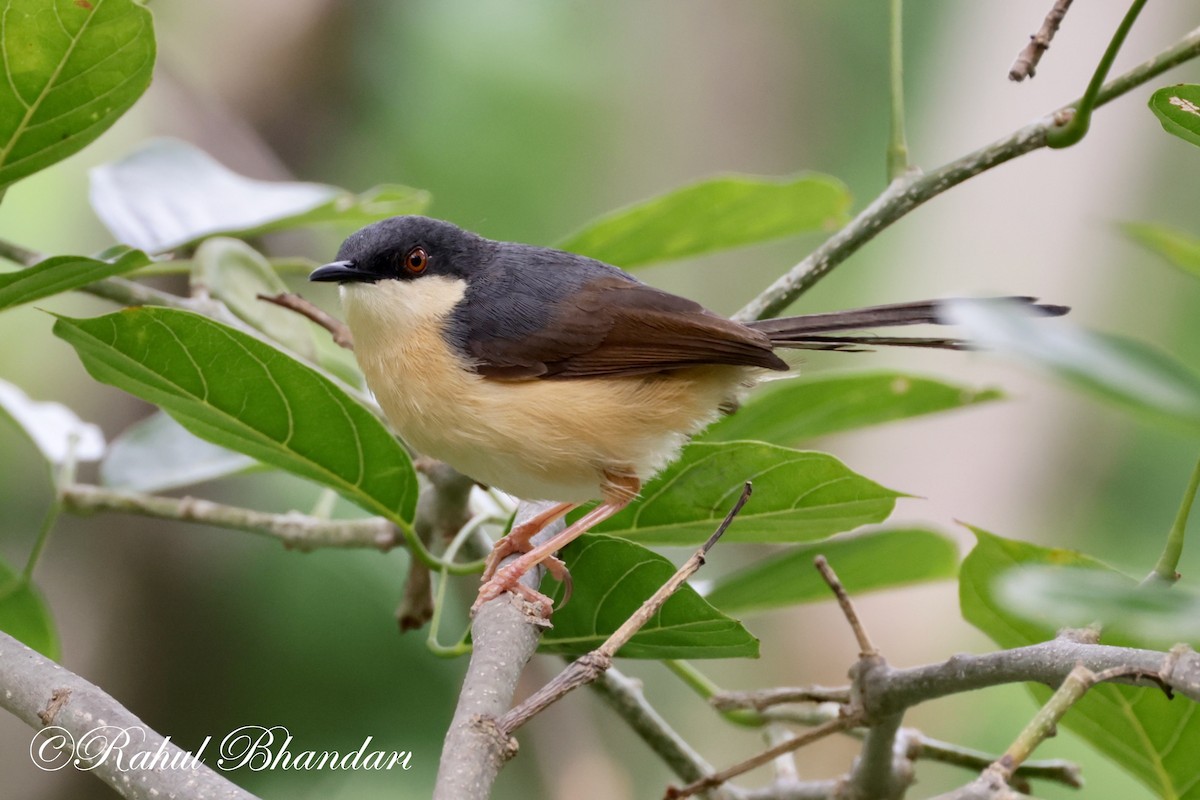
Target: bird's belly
541,439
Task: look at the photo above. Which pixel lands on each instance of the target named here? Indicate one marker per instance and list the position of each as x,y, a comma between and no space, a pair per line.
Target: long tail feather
805,332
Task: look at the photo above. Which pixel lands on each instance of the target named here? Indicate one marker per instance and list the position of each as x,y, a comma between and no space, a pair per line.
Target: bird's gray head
405,249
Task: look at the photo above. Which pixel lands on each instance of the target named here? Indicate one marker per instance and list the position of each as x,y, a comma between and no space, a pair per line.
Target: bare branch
791,745
1027,60
294,302
295,530
590,666
920,746
765,698
69,712
865,647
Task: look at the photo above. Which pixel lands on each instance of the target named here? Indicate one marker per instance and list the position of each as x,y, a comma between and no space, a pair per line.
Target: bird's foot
508,579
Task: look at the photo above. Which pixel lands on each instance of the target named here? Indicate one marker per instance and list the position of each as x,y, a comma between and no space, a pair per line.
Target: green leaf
170,194
714,214
1177,247
798,496
1153,738
71,69
61,274
238,392
1135,376
157,454
1157,615
1178,109
612,578
236,273
51,426
865,562
24,614
791,411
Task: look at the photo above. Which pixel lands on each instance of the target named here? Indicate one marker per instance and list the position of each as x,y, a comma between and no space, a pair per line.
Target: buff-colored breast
537,439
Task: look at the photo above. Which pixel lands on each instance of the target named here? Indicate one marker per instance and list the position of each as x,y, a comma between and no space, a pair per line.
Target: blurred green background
524,120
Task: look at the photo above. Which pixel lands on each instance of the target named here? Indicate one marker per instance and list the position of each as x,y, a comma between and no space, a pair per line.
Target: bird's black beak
342,272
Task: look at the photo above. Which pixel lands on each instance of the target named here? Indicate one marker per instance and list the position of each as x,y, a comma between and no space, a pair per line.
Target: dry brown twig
294,302
1027,60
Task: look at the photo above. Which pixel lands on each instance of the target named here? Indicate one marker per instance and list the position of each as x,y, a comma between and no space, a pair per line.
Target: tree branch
1027,60
295,530
72,714
905,194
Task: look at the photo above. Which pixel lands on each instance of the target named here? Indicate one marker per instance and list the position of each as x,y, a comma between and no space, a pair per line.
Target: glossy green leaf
71,69
61,274
157,454
1130,374
612,578
24,614
1155,614
1178,109
52,427
799,496
865,562
169,194
240,393
236,273
791,411
1154,738
1178,248
714,214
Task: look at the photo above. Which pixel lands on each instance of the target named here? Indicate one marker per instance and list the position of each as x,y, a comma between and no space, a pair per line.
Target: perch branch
294,302
75,718
1027,60
590,666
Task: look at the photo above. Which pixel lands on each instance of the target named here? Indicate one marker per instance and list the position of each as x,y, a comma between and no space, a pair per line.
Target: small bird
552,376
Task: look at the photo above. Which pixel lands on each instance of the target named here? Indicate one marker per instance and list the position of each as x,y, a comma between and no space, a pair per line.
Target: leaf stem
704,686
64,478
897,152
1077,127
1168,562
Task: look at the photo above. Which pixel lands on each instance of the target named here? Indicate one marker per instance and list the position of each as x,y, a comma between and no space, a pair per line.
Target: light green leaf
1129,374
791,411
24,614
51,426
157,454
236,273
1158,615
238,392
714,214
61,274
1178,248
1152,737
798,496
169,194
1178,109
71,69
864,561
612,578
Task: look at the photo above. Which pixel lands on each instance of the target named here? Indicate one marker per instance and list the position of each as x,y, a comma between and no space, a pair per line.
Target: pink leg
517,540
507,579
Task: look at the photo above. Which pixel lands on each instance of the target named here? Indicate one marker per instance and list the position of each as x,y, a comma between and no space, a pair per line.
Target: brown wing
615,326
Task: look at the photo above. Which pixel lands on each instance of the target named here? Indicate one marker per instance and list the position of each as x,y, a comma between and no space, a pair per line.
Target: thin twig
791,745
920,746
903,195
866,648
590,666
295,530
897,151
1027,60
294,302
762,699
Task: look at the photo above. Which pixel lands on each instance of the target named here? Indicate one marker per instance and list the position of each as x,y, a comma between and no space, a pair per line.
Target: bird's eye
416,261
